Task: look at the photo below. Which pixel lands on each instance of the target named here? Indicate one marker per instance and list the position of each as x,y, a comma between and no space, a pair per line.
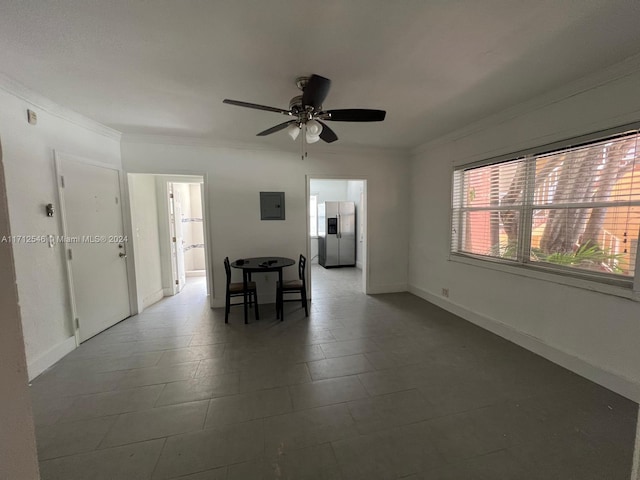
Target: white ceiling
164,67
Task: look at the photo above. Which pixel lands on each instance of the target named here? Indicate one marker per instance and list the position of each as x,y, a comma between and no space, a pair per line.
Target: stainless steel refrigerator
337,234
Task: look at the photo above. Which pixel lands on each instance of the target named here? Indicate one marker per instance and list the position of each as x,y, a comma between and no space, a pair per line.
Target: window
572,209
313,215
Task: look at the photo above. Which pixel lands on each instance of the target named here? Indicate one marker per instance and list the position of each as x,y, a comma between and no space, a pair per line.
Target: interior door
96,245
347,233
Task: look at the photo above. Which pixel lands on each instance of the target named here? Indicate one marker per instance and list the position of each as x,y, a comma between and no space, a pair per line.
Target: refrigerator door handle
338,234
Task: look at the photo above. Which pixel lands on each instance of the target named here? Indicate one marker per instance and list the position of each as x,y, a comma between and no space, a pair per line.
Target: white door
96,245
177,249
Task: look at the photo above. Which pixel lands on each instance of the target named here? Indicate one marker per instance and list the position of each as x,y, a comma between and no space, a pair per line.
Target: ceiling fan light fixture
313,131
293,130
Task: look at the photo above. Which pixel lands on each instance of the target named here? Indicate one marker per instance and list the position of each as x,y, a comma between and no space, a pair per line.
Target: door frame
365,247
58,158
184,176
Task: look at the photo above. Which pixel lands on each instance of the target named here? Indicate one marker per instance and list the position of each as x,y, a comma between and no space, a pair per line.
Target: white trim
43,103
389,288
51,356
611,380
151,299
364,266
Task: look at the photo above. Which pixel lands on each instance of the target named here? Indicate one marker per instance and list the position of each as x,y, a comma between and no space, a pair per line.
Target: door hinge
70,255
173,239
62,181
177,282
77,323
116,200
171,195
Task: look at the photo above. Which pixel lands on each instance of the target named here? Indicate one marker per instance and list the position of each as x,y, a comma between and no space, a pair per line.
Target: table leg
246,285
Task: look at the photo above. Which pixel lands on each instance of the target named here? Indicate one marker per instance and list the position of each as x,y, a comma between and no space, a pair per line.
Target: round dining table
259,264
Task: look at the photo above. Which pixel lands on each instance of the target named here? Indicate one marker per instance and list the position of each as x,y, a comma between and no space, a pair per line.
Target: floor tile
112,403
215,474
131,462
338,367
305,428
201,388
210,448
326,392
348,347
158,375
191,354
64,439
248,406
391,410
388,454
156,423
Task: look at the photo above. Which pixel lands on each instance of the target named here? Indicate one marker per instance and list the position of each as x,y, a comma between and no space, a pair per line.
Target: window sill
540,273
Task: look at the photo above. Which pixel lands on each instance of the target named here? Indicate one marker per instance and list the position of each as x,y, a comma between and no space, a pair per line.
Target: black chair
236,289
298,286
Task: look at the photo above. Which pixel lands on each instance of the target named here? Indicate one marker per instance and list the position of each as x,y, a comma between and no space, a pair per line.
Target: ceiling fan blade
315,91
238,103
277,128
327,134
354,115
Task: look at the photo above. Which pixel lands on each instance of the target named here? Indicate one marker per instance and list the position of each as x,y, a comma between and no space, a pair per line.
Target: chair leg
281,305
303,294
227,307
255,298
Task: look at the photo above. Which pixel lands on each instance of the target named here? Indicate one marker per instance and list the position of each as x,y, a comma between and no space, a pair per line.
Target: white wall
31,184
236,175
18,455
146,242
593,333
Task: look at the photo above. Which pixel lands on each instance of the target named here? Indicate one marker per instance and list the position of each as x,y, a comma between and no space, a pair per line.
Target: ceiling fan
307,112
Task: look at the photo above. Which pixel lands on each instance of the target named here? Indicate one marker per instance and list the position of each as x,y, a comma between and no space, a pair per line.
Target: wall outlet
445,292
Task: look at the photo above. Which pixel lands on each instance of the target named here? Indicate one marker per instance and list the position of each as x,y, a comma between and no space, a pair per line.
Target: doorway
337,236
186,232
168,215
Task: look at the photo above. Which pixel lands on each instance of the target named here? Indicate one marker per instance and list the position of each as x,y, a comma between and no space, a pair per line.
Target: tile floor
367,387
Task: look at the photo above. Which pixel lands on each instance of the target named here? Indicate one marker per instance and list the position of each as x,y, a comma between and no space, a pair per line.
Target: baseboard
50,357
613,381
390,288
151,299
196,273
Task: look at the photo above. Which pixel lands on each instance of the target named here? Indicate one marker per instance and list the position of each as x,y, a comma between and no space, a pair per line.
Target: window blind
575,208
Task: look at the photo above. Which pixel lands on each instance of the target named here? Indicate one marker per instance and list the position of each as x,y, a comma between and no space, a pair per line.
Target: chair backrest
227,269
302,264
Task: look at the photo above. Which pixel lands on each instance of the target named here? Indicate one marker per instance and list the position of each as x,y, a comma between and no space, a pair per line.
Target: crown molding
205,142
43,103
584,84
